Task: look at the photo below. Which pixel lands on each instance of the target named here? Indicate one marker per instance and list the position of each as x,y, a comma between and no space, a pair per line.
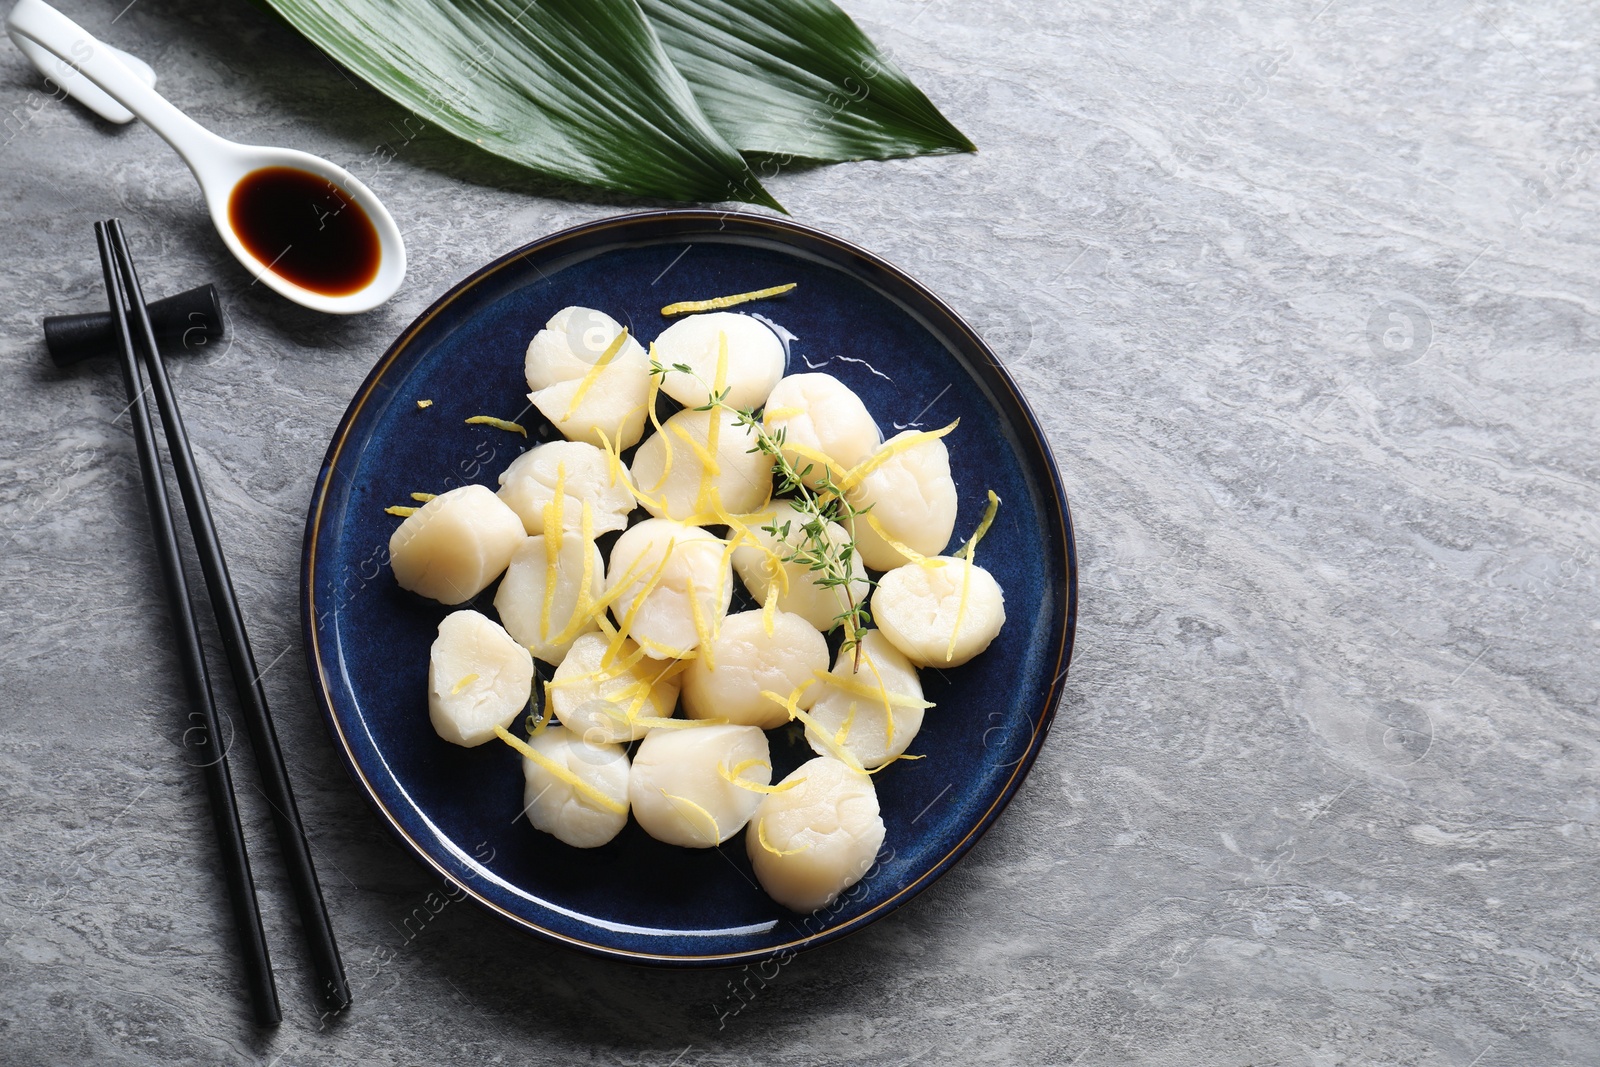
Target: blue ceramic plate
913,362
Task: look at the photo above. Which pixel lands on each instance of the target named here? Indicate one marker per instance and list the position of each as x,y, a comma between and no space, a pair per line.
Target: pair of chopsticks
135,338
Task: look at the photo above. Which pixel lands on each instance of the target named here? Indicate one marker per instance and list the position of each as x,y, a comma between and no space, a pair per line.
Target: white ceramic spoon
218,164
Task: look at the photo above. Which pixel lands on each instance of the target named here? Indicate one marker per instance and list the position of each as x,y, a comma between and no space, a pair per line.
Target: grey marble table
1307,295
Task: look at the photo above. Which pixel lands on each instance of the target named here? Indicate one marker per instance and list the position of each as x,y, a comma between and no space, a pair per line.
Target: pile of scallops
658,699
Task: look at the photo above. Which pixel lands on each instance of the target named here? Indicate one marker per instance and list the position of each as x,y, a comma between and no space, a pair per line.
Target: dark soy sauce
306,229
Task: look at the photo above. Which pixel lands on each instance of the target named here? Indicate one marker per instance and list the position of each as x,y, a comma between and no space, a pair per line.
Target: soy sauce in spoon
304,228
325,240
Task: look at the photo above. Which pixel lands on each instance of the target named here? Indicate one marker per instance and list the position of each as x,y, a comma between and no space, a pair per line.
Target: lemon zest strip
499,424
404,513
761,836
790,704
717,303
646,501
961,609
422,497
888,705
983,527
459,686
869,692
594,373
698,617
854,475
561,774
769,608
716,830
827,463
911,554
554,512
655,420
709,467
966,553
893,759
843,733
580,610
644,592
736,777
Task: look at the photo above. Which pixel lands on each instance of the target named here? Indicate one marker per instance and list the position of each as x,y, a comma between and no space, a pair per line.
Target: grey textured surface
1306,295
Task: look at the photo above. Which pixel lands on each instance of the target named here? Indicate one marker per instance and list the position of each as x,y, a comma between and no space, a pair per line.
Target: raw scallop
453,546
587,395
855,704
755,359
726,681
557,807
940,612
811,842
680,786
478,678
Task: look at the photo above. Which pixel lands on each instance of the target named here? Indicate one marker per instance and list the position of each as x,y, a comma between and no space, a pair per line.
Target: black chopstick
292,840
219,783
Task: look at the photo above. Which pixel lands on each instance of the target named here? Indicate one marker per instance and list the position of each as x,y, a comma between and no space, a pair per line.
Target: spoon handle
74,46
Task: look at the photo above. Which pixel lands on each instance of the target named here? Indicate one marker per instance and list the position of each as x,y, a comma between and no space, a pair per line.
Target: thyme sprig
830,563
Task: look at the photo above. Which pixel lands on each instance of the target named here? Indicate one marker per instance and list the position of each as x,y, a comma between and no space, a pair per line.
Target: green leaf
797,79
576,90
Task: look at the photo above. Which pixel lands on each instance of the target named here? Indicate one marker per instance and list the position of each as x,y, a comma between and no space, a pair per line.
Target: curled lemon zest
717,303
735,776
961,609
424,404
638,599
655,420
983,527
739,533
615,460
499,424
716,830
769,608
709,467
761,836
594,373
554,512
598,608
581,609
791,705
893,759
459,686
562,774
854,475
869,692
911,554
817,458
843,733
698,617
644,644
888,704
966,554
781,413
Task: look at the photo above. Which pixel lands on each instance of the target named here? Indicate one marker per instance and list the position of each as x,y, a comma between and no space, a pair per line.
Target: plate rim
754,225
